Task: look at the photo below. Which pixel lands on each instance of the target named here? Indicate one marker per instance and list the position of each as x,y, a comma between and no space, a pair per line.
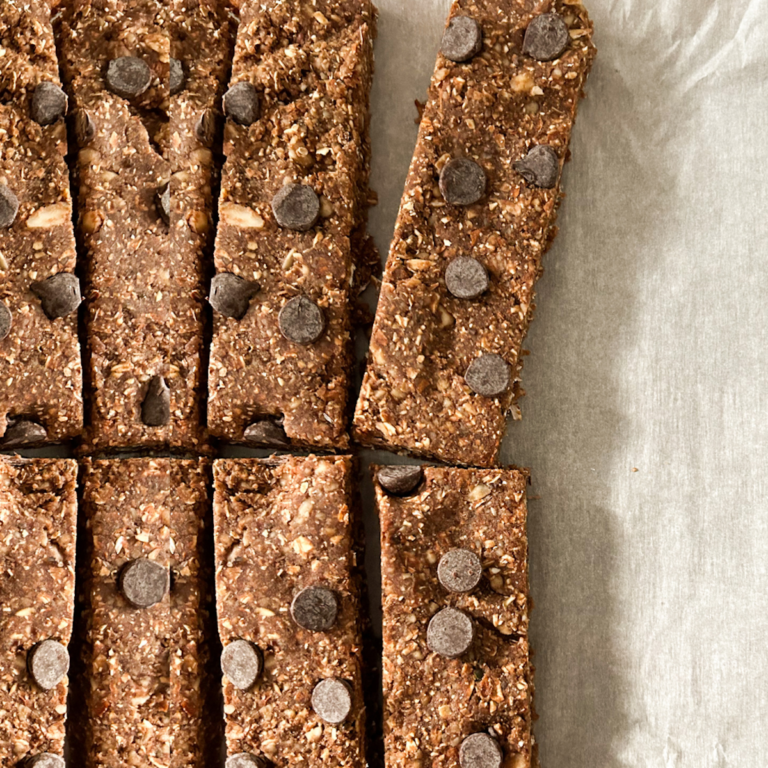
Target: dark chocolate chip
59,294
488,375
241,103
156,408
144,582
245,760
450,633
22,433
178,78
332,700
463,39
546,38
466,278
301,320
297,207
401,480
480,751
85,129
207,127
47,664
540,167
462,181
163,203
128,76
9,206
315,608
44,760
242,663
459,570
231,294
6,321
49,104
266,433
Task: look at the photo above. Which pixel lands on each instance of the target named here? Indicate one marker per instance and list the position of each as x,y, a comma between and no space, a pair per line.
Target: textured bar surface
38,511
311,64
282,525
432,703
39,358
491,110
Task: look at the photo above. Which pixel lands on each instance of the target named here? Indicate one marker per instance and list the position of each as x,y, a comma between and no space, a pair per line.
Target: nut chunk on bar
293,203
40,365
38,511
458,682
288,611
144,653
477,215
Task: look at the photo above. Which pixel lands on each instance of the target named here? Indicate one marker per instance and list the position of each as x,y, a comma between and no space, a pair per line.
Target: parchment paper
646,421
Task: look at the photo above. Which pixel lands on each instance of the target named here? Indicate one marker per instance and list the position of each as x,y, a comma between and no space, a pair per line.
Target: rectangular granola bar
292,210
38,512
40,364
288,610
146,608
477,215
458,680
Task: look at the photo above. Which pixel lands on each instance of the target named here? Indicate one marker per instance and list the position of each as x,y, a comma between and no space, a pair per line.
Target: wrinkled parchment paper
646,420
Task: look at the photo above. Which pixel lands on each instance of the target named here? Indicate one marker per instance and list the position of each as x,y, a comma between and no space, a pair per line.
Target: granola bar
292,210
145,646
477,215
38,511
288,611
458,680
39,294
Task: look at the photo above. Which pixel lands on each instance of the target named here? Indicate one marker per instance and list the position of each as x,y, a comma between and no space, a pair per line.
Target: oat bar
39,294
477,215
144,649
291,216
288,611
38,511
458,681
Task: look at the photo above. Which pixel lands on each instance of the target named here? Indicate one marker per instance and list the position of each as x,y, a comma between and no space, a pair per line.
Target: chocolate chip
163,203
128,76
400,481
266,433
6,321
462,181
85,129
21,433
480,751
178,78
463,39
59,294
297,207
44,760
450,633
315,608
546,38
301,320
488,375
47,664
9,206
207,127
459,570
466,278
242,663
156,408
231,294
245,760
241,103
49,104
332,700
540,167
143,582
